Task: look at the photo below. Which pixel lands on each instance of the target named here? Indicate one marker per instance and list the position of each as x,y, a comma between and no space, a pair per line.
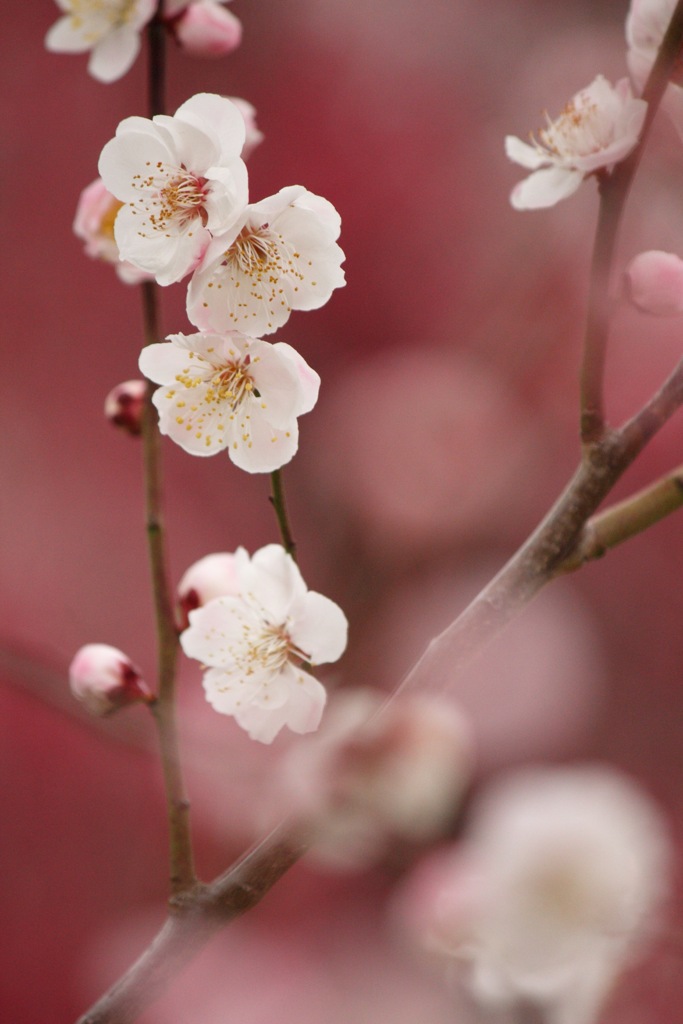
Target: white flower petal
114,55
522,153
271,580
63,38
320,628
545,188
309,380
219,116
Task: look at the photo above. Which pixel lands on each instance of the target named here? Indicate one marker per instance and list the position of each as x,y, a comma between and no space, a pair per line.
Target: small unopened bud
212,576
654,283
105,679
124,405
205,29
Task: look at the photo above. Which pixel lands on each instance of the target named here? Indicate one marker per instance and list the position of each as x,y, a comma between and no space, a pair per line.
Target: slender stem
277,500
614,190
156,77
181,860
182,874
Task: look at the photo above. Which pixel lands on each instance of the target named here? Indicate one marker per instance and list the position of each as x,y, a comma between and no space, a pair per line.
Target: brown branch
614,190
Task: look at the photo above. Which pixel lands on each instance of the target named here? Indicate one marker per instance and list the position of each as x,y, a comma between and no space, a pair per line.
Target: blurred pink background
447,422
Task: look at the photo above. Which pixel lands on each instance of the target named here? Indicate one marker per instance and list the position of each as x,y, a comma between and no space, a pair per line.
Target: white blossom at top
597,128
281,255
646,24
110,28
181,180
254,645
230,391
554,889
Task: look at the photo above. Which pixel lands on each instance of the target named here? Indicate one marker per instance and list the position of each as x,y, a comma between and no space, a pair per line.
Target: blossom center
254,252
117,12
177,197
233,384
576,132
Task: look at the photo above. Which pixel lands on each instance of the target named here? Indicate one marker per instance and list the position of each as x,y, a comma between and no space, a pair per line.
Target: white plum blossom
229,391
254,646
105,679
109,28
646,23
279,256
597,128
181,180
554,890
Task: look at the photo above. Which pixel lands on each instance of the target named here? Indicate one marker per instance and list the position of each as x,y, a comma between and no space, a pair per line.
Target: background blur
447,422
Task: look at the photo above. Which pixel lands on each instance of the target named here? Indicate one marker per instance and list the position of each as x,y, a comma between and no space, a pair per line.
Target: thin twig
181,859
277,500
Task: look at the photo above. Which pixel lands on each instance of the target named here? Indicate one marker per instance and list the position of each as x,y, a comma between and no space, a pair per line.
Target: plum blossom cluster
259,639
182,186
110,30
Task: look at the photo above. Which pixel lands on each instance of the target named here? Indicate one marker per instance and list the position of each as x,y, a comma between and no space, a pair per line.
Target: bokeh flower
181,180
597,128
279,256
654,283
231,392
110,28
254,646
552,892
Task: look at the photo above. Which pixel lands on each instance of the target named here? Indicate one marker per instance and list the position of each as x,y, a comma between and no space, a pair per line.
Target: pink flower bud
205,29
94,224
124,405
105,679
654,283
212,576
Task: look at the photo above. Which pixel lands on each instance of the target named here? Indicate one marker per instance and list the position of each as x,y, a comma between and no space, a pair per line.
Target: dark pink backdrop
446,424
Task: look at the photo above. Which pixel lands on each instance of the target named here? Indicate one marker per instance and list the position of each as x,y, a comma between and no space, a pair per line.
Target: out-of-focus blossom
597,128
231,391
124,406
646,24
110,28
94,224
212,576
279,256
553,891
255,645
105,679
654,283
205,29
181,180
369,780
254,136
